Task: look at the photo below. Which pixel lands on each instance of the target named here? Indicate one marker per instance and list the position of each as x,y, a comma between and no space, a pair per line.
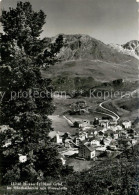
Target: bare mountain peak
130,48
81,46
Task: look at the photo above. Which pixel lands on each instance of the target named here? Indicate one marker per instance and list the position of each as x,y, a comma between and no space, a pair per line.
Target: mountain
86,62
85,47
130,48
133,46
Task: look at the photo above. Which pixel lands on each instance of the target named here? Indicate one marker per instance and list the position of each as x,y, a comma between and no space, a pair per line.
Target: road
114,115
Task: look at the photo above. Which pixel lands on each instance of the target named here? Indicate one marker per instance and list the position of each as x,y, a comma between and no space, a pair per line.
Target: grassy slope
99,70
126,108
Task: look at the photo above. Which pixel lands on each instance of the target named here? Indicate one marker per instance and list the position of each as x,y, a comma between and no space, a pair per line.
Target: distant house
81,104
109,133
95,141
77,124
67,139
104,123
82,123
133,141
96,121
123,134
83,136
100,134
92,133
119,127
98,128
80,136
126,124
113,128
107,141
67,142
87,150
58,137
76,141
116,135
112,123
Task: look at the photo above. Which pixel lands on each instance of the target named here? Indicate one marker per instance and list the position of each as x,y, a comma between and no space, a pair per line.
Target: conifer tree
28,155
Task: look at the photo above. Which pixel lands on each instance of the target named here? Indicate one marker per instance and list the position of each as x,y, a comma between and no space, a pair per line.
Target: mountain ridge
130,48
86,61
81,46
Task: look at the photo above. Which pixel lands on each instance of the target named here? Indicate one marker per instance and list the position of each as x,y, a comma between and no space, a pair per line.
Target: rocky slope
133,46
79,47
130,48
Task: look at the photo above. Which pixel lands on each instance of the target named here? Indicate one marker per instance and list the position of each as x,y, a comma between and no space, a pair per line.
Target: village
89,140
94,139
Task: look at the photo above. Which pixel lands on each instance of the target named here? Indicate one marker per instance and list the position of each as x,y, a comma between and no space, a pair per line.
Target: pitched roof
90,147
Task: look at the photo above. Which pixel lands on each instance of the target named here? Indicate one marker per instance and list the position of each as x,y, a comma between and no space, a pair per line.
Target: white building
87,150
126,124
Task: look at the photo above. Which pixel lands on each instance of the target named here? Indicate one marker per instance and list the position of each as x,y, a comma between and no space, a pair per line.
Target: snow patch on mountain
130,48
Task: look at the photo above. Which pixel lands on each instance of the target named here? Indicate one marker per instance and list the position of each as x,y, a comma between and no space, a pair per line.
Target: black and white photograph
69,97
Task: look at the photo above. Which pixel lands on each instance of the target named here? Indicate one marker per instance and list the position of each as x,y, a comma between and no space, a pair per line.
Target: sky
111,21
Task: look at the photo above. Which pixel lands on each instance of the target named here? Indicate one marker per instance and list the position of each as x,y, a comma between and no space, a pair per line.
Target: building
95,141
83,136
82,104
77,141
87,150
116,135
58,137
126,124
104,123
109,133
82,124
133,141
123,134
112,123
90,131
107,141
